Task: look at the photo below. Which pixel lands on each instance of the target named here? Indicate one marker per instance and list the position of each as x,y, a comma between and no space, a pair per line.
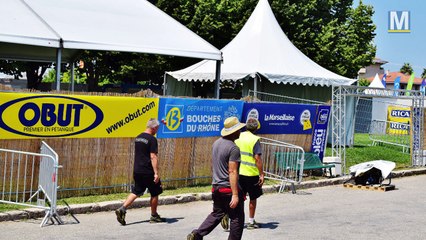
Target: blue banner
180,118
319,136
281,118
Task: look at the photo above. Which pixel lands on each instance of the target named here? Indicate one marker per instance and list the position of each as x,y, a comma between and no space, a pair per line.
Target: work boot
194,236
253,225
121,216
225,222
156,219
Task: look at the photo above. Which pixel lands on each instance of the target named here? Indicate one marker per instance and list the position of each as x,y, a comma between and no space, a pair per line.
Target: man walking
227,198
145,173
251,170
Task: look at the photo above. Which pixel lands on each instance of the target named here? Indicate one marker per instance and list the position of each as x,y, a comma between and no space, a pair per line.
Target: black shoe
157,219
190,236
225,222
121,215
253,225
194,236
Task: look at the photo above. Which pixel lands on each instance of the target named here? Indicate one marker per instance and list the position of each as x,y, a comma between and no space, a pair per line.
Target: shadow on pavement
269,225
303,193
168,221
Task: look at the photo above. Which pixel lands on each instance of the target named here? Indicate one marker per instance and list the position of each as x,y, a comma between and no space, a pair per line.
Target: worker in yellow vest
251,175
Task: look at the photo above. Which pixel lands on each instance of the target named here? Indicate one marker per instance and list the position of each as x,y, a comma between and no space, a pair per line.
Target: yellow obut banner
71,116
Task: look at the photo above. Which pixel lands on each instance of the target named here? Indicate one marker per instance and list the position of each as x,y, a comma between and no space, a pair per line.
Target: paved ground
331,212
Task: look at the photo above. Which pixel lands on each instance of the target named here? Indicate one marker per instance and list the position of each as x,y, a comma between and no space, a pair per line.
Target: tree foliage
363,82
424,73
406,69
34,71
330,32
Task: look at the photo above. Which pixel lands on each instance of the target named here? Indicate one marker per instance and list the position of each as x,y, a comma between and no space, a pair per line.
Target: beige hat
231,125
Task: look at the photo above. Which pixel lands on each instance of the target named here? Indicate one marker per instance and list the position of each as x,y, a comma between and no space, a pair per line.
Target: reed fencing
104,165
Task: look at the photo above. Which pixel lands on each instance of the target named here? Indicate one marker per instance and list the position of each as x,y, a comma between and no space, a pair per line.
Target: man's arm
154,162
233,180
259,166
257,150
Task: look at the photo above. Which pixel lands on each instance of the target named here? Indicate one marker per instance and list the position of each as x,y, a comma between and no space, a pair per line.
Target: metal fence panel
369,117
282,161
20,184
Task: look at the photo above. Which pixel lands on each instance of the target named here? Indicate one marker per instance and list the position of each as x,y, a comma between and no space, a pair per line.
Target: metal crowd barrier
283,162
30,179
393,133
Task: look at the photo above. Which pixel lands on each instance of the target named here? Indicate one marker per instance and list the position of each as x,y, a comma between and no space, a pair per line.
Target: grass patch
363,152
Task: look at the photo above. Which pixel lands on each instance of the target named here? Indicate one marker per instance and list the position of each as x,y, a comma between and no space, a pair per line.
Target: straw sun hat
231,125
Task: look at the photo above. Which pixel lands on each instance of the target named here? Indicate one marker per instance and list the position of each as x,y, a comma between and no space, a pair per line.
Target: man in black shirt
145,173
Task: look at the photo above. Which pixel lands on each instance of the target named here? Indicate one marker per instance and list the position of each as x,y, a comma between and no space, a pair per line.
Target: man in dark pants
227,197
251,169
145,173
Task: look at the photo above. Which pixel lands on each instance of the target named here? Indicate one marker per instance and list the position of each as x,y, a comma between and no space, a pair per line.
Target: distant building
370,71
391,76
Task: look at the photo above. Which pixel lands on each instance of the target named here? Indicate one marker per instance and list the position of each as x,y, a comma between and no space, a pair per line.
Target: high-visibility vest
246,144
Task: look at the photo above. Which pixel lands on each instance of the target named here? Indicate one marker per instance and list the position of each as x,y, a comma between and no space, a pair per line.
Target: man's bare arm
233,180
154,162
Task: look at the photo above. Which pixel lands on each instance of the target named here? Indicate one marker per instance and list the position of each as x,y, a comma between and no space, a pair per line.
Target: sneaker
193,236
156,219
253,225
225,222
121,215
190,236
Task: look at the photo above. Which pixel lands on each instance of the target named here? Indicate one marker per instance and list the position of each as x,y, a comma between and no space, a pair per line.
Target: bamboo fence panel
202,159
105,165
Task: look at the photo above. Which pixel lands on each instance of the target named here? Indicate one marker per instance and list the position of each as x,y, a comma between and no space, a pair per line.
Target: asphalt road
331,212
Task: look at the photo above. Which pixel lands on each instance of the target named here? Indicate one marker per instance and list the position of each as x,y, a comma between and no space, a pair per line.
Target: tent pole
72,76
58,68
164,85
255,84
217,85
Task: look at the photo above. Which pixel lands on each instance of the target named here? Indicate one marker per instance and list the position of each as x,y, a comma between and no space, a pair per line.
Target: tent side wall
177,88
317,93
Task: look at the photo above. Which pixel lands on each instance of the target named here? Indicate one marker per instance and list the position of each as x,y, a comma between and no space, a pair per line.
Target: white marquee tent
261,48
49,30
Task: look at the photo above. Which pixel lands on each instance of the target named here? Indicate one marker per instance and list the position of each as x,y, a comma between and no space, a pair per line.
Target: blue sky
400,48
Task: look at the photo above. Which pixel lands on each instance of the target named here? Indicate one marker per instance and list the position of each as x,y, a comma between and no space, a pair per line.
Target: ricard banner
281,118
398,120
73,116
181,118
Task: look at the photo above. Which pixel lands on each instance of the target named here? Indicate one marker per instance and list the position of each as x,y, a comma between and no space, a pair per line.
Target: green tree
406,69
363,82
33,70
330,32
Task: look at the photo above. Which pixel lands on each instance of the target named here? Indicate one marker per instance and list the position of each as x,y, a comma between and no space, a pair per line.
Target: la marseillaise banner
25,116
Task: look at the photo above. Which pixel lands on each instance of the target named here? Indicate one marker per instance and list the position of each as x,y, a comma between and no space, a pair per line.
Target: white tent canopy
125,25
261,47
376,83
